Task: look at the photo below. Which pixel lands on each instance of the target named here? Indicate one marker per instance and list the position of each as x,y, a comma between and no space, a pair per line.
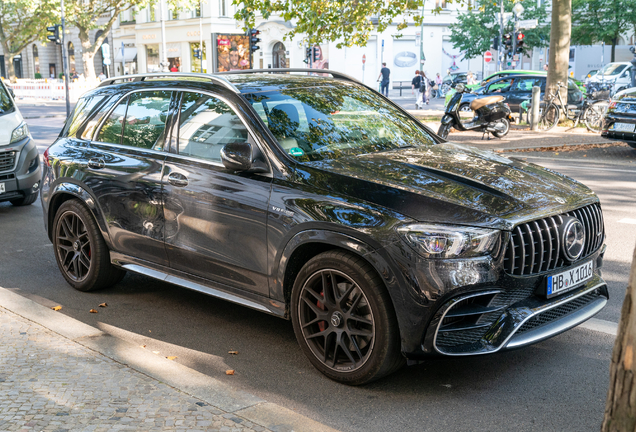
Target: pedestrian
416,83
545,67
101,76
438,85
426,85
470,79
385,73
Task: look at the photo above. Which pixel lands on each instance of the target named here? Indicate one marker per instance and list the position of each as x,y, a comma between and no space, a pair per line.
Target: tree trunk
11,67
614,41
88,54
559,46
620,409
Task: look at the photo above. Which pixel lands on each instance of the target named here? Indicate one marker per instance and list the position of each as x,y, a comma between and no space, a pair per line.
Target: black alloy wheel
80,251
344,320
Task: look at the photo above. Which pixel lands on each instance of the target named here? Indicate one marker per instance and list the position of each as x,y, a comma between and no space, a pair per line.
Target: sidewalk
59,374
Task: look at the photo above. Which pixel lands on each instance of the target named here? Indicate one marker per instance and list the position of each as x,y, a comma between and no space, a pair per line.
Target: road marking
628,221
607,327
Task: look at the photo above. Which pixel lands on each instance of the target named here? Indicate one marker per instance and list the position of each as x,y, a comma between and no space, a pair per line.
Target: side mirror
239,157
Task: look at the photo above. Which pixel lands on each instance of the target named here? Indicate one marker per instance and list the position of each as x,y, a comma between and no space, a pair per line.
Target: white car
20,172
615,74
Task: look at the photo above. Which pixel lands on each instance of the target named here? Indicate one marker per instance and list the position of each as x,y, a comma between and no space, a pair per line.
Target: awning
130,54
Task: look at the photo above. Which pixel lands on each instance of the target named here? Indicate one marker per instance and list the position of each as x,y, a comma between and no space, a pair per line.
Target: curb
182,378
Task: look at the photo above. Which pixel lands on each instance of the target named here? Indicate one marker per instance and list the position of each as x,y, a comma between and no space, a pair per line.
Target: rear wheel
548,117
81,253
443,130
593,118
344,320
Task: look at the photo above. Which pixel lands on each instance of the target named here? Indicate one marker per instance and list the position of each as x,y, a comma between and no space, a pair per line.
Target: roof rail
169,75
334,74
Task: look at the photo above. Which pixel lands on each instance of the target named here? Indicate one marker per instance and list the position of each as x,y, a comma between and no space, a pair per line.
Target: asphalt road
556,385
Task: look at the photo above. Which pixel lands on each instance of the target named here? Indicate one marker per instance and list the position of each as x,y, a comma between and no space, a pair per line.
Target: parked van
20,171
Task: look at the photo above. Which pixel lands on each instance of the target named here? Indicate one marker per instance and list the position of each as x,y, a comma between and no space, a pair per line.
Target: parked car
615,75
619,122
316,199
20,171
517,89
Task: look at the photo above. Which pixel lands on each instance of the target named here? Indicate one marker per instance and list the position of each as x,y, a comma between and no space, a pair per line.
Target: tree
620,414
602,21
474,31
21,23
559,47
348,21
84,15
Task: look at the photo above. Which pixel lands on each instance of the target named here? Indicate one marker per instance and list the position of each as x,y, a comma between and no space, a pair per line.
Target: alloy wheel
336,320
73,246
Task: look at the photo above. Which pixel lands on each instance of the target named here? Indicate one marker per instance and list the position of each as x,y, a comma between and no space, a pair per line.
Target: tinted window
501,86
146,119
111,130
331,122
82,110
206,124
526,84
92,124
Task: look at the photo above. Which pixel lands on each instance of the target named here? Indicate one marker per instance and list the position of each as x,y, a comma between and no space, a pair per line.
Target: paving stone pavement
50,383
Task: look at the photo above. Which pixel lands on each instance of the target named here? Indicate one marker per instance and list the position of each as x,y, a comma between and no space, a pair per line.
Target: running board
256,301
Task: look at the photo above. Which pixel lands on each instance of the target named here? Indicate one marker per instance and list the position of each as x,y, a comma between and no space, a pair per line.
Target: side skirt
195,283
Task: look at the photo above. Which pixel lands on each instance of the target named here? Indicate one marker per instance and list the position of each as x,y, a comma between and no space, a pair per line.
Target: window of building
440,4
223,8
36,62
152,58
152,12
195,57
206,125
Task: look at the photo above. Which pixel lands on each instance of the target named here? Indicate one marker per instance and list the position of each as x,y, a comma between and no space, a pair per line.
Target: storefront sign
149,36
193,33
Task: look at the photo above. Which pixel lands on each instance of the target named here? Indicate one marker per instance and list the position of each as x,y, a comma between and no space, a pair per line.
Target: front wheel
344,320
443,130
506,128
548,117
593,117
25,200
80,251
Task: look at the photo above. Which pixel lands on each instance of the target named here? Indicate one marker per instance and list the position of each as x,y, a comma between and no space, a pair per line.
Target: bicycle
591,114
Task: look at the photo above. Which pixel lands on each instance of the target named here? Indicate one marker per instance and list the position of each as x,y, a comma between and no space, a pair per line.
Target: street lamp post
164,56
517,9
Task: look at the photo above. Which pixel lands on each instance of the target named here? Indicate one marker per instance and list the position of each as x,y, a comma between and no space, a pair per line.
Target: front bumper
24,177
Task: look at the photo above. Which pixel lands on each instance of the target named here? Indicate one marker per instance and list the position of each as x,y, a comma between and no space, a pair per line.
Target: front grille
452,339
535,247
7,161
558,312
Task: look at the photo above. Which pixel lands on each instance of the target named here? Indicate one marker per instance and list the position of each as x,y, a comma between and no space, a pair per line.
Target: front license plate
1,188
623,127
569,279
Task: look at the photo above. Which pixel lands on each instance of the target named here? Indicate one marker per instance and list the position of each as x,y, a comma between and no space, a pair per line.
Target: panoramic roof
262,82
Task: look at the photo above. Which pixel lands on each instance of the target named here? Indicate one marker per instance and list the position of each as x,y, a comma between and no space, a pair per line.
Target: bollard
534,110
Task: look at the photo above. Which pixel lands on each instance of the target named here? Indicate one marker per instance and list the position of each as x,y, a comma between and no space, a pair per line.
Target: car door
122,166
216,219
521,91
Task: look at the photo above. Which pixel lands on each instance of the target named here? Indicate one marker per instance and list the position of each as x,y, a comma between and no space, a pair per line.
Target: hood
627,95
8,122
452,183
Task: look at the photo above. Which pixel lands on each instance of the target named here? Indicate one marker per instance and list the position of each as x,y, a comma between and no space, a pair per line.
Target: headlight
19,133
447,241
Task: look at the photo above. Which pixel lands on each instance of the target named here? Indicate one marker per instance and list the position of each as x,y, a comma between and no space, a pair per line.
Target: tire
443,131
465,107
26,200
358,340
80,251
593,118
548,118
506,122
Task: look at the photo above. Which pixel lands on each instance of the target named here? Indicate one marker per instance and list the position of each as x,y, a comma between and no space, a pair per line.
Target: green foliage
475,30
601,20
348,21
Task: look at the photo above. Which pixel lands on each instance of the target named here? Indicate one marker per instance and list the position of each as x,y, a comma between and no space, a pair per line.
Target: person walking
438,85
416,83
385,73
470,79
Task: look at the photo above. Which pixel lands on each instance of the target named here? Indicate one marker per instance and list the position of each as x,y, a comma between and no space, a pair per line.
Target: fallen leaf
233,352
57,308
584,155
556,154
155,352
92,311
103,305
143,346
171,357
229,372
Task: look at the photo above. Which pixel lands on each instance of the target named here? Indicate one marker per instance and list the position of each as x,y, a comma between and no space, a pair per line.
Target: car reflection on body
619,122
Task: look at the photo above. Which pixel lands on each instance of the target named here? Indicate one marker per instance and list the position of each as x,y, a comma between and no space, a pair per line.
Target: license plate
569,279
1,188
623,127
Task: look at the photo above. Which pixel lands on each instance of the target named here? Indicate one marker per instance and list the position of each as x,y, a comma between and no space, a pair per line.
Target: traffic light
307,55
507,43
495,43
55,37
254,39
316,53
520,37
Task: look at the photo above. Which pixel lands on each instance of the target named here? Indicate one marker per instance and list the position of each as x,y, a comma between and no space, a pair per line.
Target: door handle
96,163
177,179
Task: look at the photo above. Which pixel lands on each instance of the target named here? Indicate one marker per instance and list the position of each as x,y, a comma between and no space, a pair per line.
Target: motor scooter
492,115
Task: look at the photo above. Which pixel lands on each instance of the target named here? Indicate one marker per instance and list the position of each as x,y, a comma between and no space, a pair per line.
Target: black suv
316,199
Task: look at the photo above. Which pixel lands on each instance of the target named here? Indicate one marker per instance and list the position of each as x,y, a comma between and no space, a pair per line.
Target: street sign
364,58
515,57
487,56
528,24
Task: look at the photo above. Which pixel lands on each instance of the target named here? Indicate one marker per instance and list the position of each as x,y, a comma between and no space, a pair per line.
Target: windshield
6,104
330,122
613,69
